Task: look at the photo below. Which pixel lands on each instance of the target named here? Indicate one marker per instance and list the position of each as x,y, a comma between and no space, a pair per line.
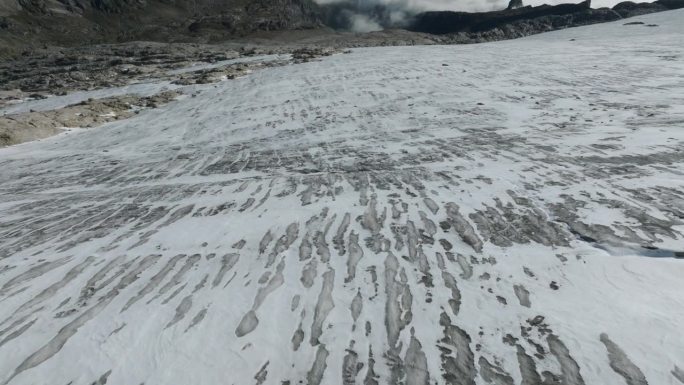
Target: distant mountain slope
34,23
92,21
535,18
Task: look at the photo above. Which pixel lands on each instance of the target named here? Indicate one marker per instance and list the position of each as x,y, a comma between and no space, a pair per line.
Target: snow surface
393,215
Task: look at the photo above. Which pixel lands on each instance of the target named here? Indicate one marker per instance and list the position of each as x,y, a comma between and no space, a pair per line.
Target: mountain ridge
30,24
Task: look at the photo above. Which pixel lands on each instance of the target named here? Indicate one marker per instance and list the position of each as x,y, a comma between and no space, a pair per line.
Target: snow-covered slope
504,213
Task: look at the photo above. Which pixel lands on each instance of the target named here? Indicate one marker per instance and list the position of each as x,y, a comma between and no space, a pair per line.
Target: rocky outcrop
79,22
513,4
630,9
261,15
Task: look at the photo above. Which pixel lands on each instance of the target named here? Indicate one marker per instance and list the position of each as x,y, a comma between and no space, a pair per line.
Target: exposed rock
19,128
75,22
310,53
513,4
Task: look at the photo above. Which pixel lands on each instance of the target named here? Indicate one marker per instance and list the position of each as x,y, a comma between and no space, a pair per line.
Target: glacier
499,213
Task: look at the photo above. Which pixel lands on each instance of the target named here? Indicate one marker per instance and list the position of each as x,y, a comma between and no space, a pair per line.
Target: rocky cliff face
258,15
73,22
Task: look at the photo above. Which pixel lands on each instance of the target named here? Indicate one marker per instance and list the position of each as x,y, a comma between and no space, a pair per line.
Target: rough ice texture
513,217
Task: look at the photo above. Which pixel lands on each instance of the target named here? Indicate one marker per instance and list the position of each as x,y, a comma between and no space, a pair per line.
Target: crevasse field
504,213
